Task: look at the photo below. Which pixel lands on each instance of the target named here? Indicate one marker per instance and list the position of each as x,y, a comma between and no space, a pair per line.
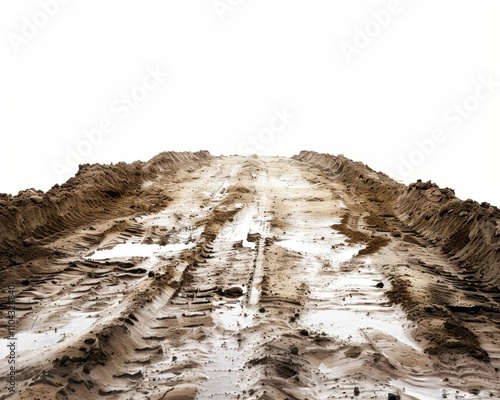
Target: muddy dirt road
252,278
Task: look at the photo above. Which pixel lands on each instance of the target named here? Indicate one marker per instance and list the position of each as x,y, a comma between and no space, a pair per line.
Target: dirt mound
466,230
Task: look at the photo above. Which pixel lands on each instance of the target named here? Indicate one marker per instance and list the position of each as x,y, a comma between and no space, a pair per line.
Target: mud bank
33,217
467,231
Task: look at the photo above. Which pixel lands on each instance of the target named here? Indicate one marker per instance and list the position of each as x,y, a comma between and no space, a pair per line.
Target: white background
230,69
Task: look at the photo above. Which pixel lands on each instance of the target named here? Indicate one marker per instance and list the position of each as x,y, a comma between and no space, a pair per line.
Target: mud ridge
466,230
33,217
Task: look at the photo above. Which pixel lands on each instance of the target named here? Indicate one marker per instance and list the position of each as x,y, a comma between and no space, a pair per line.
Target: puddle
224,363
347,324
166,376
348,301
34,341
432,389
232,317
343,297
130,249
319,249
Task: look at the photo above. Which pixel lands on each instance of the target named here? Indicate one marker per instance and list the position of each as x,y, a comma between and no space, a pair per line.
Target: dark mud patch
400,294
373,243
285,370
377,222
456,340
353,236
450,337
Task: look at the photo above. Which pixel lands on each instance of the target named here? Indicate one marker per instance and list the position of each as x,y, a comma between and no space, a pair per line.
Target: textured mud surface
200,277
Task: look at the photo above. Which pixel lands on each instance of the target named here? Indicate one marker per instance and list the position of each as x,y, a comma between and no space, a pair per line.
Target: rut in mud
201,277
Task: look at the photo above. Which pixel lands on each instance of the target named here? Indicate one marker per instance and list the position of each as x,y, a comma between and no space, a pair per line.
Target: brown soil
250,278
373,243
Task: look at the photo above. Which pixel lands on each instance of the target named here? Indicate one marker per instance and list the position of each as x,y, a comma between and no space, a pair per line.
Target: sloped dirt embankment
33,217
466,231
